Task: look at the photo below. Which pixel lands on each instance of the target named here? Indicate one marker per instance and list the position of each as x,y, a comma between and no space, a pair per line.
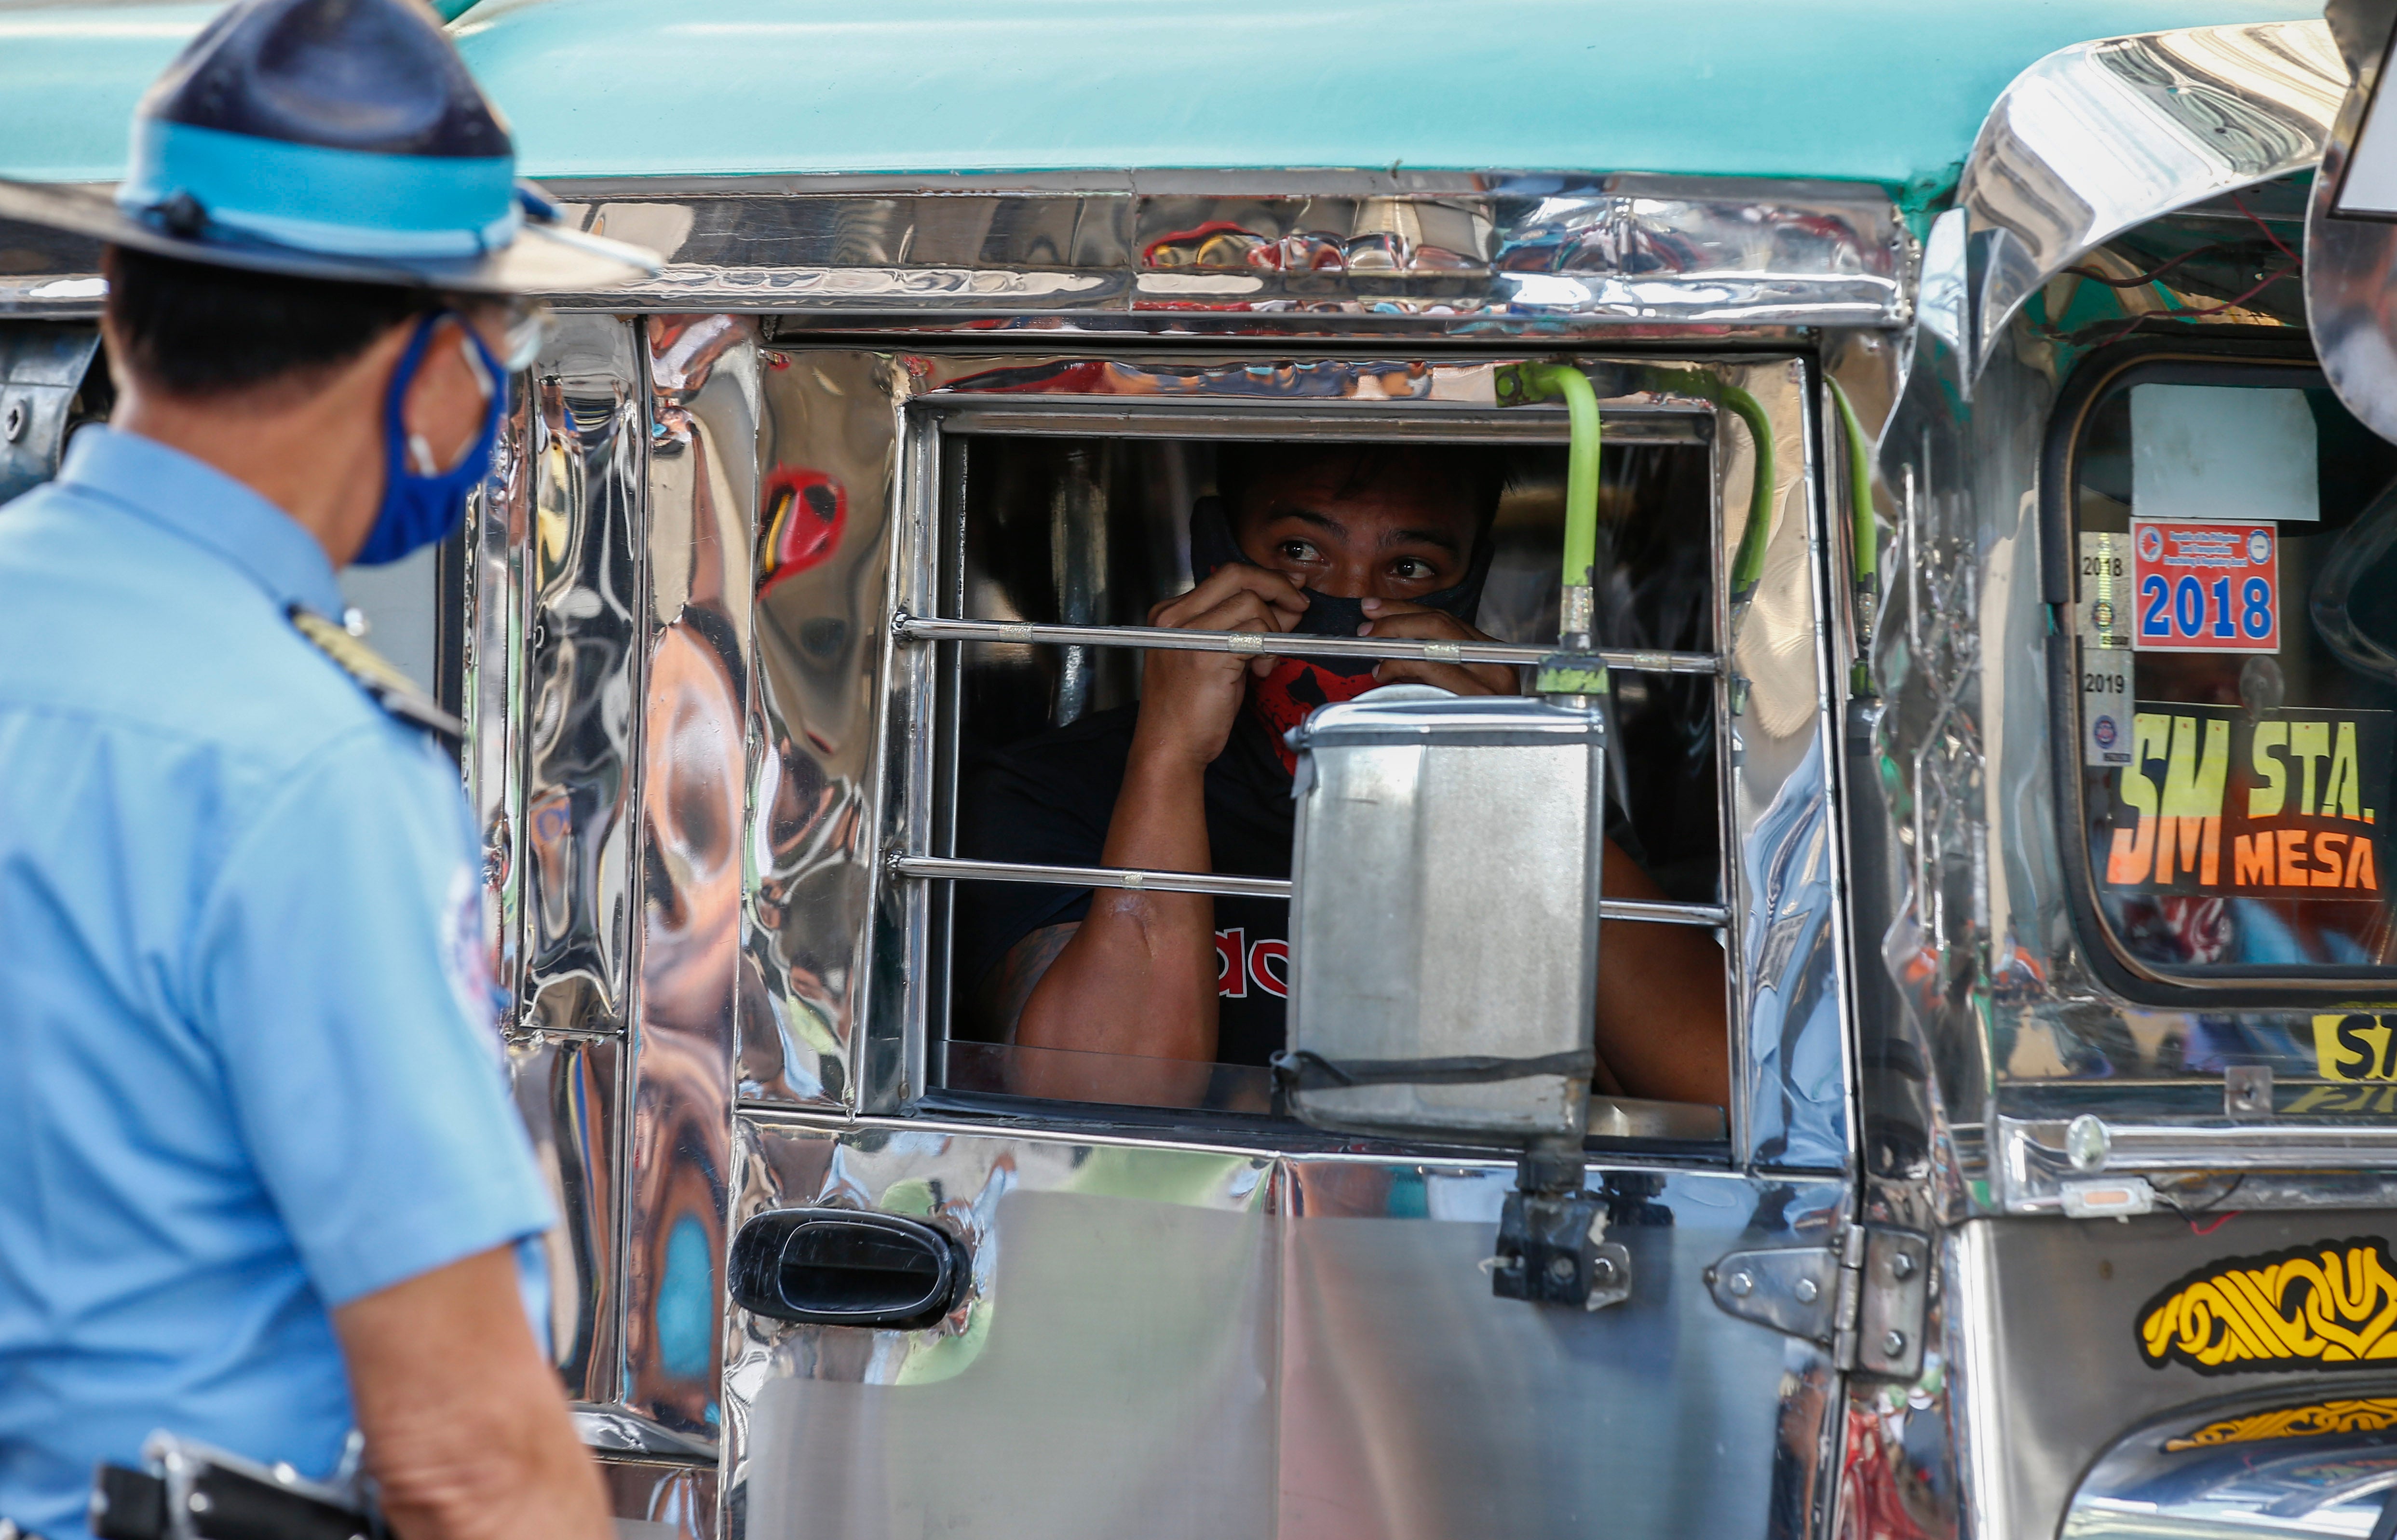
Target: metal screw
1560,1267
1893,1343
1601,1270
1901,1267
1807,1290
1742,1284
12,422
199,1501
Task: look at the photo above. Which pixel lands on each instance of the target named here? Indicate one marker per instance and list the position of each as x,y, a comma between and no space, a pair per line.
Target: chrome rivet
1601,1269
1901,1267
199,1501
1807,1290
12,422
1893,1343
1742,1284
2087,1142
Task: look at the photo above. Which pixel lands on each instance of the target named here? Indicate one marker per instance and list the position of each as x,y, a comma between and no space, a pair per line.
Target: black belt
190,1491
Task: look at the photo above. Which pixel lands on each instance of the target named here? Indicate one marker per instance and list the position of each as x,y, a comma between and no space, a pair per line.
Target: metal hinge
1866,1297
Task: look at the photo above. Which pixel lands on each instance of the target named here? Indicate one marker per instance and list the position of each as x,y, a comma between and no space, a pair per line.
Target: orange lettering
2326,854
2359,863
2209,865
2134,852
2293,856
2251,860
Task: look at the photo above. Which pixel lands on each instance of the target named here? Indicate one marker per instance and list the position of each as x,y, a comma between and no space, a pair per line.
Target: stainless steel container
1445,915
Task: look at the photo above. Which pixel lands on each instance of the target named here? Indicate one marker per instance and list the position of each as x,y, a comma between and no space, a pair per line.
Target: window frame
927,583
2179,361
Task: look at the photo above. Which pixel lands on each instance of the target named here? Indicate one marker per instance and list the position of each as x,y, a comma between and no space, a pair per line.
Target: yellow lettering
2308,742
2132,855
2344,789
2266,801
2252,860
2194,795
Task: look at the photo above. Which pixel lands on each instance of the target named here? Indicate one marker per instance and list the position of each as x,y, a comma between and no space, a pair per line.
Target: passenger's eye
1296,550
1411,569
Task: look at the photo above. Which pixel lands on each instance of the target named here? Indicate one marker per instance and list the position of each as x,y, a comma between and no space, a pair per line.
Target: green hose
1864,557
1581,472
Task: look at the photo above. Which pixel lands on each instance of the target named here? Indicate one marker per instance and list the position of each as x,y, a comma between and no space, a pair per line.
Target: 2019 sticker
2205,587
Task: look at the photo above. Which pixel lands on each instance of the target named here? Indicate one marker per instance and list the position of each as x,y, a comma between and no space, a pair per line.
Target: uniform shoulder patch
377,675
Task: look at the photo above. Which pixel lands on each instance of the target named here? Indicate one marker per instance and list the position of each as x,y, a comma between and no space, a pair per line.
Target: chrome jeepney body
716,618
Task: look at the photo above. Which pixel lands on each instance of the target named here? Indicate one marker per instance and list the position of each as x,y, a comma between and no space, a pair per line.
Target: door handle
846,1267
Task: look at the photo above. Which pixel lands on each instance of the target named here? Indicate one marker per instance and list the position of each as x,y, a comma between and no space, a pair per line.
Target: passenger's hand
1399,619
1188,701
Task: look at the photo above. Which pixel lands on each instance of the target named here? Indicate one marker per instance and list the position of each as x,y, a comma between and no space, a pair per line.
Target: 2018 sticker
2332,1304
2205,587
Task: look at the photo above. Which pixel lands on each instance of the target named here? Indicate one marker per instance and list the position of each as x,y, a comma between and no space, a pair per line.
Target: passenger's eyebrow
1440,538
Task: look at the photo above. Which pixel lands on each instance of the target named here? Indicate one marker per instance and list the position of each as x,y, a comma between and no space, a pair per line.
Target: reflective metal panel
1792,1109
1221,1342
570,1095
1336,252
1109,1371
2100,137
2276,1465
1416,1404
2026,1297
695,619
827,431
581,671
653,1501
2351,270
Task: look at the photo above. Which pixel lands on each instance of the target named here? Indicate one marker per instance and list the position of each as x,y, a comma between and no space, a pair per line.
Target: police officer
260,1178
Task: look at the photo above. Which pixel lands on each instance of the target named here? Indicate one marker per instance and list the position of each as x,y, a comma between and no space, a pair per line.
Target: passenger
1322,540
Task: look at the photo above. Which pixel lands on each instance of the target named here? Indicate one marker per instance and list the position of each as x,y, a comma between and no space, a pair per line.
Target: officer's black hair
1478,473
194,330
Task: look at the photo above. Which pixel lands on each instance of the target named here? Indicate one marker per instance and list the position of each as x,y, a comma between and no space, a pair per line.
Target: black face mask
1212,547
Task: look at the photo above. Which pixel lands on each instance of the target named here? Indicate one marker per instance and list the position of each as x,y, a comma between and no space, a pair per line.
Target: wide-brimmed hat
333,139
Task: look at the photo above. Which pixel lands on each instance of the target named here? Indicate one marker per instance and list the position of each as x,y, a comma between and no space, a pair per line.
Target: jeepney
1999,662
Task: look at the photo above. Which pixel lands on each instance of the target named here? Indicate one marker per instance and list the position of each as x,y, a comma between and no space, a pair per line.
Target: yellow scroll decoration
2312,1306
2364,1414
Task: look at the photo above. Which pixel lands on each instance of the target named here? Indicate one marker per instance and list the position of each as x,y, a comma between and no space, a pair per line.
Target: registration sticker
2205,587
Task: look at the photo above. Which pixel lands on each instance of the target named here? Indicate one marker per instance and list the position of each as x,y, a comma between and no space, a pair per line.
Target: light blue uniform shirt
247,1069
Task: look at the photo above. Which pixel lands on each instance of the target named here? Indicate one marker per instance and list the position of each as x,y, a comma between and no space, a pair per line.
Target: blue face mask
422,504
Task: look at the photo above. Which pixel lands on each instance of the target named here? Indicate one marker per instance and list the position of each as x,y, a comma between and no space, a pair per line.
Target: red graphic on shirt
1269,965
1283,698
1231,963
1243,965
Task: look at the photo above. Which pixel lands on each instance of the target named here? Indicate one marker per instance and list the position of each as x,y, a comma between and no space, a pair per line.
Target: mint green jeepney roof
1889,91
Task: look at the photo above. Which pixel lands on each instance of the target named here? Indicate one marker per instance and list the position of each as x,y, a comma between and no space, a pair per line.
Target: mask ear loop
478,364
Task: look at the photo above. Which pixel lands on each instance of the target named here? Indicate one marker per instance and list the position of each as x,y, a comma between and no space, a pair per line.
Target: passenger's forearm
1139,976
1661,1026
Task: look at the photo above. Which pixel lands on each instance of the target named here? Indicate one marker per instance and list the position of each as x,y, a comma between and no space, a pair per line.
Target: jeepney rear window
1091,532
2233,712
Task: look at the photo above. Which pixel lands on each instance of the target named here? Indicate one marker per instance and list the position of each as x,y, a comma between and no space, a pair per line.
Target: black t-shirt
1047,800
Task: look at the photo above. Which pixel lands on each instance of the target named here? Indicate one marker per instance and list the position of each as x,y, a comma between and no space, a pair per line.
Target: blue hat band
279,192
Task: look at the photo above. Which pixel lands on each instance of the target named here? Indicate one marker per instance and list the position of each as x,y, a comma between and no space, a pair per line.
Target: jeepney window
2233,719
1031,735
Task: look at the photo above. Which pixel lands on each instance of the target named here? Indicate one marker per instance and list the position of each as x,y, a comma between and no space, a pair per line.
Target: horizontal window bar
917,628
932,868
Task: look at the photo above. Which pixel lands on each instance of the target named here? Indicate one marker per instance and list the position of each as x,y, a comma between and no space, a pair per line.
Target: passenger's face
1382,541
